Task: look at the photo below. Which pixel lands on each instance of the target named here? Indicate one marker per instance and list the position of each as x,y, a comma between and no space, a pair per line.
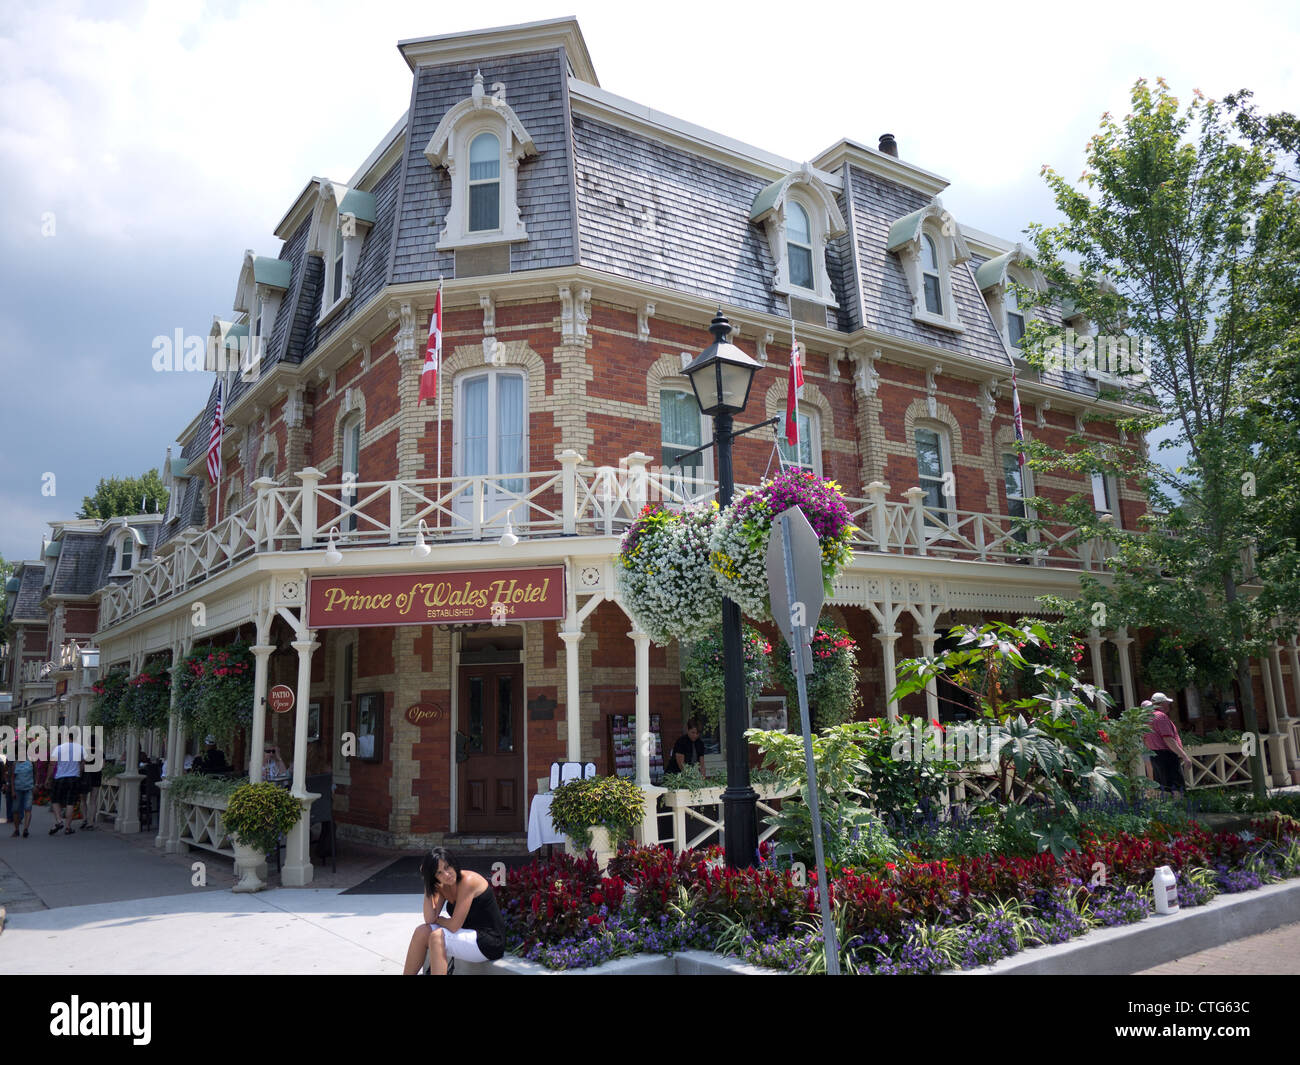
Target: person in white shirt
67,784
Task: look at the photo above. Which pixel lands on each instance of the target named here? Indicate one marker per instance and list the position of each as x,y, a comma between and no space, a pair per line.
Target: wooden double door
490,748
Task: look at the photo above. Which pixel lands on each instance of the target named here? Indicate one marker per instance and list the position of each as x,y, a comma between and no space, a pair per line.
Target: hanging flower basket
111,692
148,702
664,576
833,694
739,542
216,691
706,673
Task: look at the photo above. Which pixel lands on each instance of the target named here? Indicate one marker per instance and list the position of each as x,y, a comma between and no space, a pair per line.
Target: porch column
257,737
928,639
572,712
1094,642
890,671
1293,655
166,815
1283,718
1121,640
644,740
128,794
297,863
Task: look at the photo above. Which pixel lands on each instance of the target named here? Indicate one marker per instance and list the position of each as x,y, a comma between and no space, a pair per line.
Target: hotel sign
493,595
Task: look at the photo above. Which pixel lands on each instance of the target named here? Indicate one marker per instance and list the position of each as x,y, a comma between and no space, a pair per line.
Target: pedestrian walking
1167,753
68,757
22,776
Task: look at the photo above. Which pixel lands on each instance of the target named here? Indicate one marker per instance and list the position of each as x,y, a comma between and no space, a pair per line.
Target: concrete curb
1132,948
687,963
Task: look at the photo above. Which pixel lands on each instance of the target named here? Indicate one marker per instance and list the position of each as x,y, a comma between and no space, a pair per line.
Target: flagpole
438,400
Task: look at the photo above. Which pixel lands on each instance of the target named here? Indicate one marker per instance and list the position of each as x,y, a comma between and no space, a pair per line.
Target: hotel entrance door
490,748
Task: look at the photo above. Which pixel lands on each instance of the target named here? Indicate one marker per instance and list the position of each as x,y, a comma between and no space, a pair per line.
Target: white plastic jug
1165,885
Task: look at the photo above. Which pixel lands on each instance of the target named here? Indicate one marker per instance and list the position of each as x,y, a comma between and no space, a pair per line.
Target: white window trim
1026,490
458,418
1111,488
250,297
945,458
126,536
351,421
950,249
449,148
814,416
825,221
327,221
706,434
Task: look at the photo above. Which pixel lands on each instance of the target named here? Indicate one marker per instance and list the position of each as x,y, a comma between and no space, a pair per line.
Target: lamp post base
740,826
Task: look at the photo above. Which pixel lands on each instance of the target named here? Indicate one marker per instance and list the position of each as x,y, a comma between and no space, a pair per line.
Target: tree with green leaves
1184,232
122,496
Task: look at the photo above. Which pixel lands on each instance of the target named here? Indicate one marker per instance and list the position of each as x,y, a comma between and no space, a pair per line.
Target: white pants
462,944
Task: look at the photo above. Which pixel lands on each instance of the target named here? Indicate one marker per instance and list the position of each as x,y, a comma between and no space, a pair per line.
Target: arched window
798,240
351,469
934,474
1015,316
930,275
484,183
682,429
809,453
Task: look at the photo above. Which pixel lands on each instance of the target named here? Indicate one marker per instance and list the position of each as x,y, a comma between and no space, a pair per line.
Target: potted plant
706,674
739,539
664,572
216,691
833,693
596,813
257,815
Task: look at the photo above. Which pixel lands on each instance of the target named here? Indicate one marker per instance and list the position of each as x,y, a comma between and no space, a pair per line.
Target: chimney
888,145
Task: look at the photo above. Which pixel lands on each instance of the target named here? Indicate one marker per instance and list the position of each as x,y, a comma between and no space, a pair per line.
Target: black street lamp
721,376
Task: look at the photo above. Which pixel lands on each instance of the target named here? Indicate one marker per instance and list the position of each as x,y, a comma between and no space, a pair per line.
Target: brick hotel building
584,242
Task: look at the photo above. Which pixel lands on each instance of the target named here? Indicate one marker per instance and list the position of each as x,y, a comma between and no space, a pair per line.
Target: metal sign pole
802,638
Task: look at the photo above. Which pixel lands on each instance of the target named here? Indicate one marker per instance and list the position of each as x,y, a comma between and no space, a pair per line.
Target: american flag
1019,420
432,353
793,393
214,441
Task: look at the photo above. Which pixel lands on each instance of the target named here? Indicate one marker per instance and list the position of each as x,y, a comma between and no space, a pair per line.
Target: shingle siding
535,91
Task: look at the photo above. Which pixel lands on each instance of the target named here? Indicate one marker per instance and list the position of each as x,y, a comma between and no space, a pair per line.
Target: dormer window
799,215
339,225
1015,317
484,183
930,276
929,244
481,142
262,285
798,237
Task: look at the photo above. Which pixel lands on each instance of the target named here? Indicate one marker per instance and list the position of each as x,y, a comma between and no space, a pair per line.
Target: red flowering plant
767,900
833,693
216,691
148,703
111,692
739,542
550,900
705,672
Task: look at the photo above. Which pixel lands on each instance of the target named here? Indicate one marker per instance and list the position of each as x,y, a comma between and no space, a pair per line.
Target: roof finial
478,85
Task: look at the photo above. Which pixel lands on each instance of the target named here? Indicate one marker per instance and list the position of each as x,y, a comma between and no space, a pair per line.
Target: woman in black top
475,930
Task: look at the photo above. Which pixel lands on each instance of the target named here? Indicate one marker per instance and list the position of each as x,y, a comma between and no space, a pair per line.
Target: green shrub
614,802
259,814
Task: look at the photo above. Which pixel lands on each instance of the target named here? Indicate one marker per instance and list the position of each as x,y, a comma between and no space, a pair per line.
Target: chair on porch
563,772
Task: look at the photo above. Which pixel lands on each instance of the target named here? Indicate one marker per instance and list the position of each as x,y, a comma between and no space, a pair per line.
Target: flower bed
909,916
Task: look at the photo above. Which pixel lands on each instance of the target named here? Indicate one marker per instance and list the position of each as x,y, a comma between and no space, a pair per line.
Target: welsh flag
793,393
432,353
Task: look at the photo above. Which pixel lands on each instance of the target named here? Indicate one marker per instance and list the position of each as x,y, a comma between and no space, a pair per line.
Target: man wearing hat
213,760
1165,746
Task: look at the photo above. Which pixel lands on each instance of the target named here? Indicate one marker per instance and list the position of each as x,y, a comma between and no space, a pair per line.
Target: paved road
1267,954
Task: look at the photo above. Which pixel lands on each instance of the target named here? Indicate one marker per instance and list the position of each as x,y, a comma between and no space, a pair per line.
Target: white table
540,829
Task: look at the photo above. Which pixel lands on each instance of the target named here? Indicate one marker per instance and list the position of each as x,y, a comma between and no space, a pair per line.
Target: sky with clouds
145,145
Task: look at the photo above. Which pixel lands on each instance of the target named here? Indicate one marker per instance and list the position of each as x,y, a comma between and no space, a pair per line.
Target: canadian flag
432,353
793,393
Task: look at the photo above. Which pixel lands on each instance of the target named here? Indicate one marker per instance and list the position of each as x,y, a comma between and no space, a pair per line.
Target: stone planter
248,861
601,845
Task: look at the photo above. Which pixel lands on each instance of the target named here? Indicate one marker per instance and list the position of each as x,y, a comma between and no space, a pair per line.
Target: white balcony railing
575,500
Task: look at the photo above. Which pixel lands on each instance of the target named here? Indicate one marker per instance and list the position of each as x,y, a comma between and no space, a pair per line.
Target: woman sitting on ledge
474,931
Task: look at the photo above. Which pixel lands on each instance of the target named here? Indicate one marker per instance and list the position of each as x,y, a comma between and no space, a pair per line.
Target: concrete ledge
1131,948
687,963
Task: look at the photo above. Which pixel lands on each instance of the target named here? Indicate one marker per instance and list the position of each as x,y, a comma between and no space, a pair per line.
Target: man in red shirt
1165,746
